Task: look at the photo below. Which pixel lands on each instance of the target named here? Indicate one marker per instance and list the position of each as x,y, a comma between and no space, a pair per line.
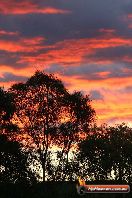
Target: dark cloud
86,71
127,89
9,77
11,60
85,19
113,53
96,95
92,71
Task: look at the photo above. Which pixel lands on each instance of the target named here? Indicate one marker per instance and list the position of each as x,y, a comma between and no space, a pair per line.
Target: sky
86,43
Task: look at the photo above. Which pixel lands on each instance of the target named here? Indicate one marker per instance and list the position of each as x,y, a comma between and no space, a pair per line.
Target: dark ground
50,190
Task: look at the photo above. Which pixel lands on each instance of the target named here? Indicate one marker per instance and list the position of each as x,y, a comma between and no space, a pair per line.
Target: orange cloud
22,45
114,108
20,71
77,83
6,85
23,72
116,104
67,52
74,51
27,7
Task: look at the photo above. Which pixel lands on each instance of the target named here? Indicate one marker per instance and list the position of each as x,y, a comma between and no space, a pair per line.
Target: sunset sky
87,43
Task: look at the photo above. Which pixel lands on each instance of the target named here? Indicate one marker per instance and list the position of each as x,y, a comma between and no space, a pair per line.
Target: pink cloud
27,7
8,33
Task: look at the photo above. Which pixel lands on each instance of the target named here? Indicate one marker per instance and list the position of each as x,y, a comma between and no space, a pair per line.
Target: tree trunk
46,137
43,166
43,160
120,173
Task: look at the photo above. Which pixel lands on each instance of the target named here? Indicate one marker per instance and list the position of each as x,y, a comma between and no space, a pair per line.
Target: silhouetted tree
81,116
7,109
14,163
51,116
120,138
107,155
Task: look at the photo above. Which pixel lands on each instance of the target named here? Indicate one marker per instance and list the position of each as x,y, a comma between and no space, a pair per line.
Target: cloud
85,18
87,44
129,16
109,31
95,95
76,51
116,54
9,77
7,33
21,44
14,7
115,106
127,89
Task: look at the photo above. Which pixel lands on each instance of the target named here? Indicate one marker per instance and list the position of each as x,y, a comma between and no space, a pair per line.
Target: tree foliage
7,109
14,163
57,134
108,155
51,116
